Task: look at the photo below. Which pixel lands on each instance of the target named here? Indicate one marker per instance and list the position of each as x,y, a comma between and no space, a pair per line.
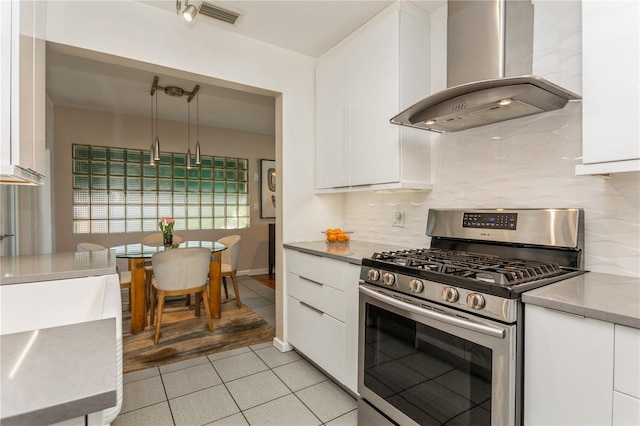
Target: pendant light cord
198,117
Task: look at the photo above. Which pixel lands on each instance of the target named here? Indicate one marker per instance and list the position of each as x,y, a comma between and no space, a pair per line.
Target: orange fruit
332,237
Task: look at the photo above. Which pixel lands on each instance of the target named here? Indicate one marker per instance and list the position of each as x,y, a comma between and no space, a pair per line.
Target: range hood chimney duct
489,67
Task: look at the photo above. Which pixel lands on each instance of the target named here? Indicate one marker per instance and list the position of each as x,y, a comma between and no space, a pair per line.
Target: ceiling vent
219,13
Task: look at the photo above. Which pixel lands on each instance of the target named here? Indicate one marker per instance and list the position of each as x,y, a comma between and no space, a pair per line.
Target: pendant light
156,142
188,135
151,155
198,156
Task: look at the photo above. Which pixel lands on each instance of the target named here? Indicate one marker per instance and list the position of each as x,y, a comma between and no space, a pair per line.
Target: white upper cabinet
360,84
611,86
22,91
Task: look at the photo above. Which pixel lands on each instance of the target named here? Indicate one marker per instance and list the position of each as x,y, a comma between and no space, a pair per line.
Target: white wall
130,29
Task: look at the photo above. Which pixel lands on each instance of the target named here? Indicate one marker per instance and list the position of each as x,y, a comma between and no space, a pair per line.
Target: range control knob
373,275
388,278
475,301
450,294
416,286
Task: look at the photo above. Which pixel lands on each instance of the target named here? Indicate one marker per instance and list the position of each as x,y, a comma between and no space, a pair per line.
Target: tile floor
252,385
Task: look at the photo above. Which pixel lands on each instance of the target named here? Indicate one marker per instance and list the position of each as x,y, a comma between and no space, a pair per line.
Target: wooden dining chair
229,262
125,276
179,271
156,240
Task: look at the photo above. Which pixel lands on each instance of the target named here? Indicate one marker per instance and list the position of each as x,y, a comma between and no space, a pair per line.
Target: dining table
139,255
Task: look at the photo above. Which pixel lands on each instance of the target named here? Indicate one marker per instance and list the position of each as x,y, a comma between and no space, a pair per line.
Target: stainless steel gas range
441,328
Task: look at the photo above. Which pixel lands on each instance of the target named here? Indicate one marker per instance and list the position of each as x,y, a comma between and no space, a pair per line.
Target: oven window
431,376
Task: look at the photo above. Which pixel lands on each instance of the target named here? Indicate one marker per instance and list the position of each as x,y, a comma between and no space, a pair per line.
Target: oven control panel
490,220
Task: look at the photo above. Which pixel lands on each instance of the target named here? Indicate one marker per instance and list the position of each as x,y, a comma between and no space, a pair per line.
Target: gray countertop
47,376
56,266
605,297
353,252
610,298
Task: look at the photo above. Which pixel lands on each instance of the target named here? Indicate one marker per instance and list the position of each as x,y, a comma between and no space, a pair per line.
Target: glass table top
139,250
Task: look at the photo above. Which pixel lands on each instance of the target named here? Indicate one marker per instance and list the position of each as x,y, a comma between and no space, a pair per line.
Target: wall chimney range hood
489,67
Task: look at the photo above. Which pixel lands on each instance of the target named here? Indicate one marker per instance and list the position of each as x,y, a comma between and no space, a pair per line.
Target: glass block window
116,190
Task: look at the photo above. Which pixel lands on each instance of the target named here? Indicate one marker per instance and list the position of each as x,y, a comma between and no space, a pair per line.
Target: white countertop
606,297
353,252
59,373
56,266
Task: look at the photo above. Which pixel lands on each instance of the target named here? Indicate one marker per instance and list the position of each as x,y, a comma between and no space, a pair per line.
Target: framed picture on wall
268,189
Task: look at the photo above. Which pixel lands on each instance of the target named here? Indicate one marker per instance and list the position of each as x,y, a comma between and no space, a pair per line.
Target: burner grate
478,267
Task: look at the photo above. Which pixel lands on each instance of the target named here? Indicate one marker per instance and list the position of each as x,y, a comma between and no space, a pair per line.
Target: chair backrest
181,268
89,247
231,254
156,240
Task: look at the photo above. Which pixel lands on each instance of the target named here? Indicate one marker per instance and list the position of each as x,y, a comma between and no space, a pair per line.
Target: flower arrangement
166,227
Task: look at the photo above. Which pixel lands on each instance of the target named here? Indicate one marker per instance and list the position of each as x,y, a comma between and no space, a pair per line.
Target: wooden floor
267,279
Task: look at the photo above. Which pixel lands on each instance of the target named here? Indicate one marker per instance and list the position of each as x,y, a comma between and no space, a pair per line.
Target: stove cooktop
505,277
480,267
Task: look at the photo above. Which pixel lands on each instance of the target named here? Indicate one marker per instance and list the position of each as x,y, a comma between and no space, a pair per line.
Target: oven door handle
449,319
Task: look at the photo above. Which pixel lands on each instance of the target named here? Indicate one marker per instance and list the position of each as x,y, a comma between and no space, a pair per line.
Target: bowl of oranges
337,236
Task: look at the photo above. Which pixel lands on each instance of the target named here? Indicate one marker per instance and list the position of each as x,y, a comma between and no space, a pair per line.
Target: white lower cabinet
626,379
322,305
568,369
626,409
579,371
317,335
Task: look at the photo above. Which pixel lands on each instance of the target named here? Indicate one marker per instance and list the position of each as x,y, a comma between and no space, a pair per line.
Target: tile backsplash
529,162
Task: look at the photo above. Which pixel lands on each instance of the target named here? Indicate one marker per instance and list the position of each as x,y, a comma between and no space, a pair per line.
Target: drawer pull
565,313
311,281
311,307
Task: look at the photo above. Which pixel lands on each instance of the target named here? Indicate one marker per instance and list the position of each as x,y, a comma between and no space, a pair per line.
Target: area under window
116,190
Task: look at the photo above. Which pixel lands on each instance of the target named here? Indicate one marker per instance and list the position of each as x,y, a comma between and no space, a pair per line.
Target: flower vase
168,240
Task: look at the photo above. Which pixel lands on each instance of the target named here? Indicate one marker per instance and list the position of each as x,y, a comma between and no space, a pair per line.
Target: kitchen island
61,314
47,376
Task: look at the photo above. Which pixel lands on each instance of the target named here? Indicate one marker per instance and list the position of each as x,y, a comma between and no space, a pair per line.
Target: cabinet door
374,87
22,84
627,361
611,80
351,278
626,409
568,369
332,121
318,336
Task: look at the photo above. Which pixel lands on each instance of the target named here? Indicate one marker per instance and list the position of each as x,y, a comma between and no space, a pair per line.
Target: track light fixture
189,13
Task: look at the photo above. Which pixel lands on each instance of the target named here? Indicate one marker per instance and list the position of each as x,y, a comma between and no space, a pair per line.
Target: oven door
422,363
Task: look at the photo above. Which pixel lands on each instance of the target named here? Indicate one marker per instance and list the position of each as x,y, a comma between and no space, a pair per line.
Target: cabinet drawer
627,353
316,268
320,296
626,410
318,336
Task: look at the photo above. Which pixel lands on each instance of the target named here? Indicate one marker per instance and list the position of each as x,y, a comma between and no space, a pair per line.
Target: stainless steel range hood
489,66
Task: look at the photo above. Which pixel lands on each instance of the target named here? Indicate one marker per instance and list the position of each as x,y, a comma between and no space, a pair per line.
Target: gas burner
473,266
